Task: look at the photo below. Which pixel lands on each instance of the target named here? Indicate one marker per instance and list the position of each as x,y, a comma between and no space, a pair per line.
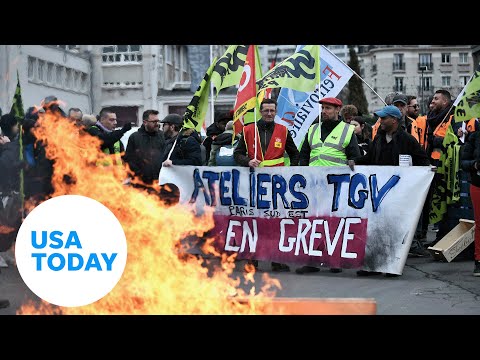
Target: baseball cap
400,98
389,110
331,101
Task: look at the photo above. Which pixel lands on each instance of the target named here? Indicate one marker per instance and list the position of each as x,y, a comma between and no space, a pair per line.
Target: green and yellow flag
468,104
229,67
194,116
19,113
300,71
17,106
446,190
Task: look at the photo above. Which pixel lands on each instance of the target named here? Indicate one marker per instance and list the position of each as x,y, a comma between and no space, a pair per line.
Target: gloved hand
126,127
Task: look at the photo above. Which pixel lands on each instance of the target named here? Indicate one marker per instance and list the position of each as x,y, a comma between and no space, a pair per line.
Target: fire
156,279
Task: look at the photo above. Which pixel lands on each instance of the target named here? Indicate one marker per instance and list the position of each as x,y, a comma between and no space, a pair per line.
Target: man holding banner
273,140
332,143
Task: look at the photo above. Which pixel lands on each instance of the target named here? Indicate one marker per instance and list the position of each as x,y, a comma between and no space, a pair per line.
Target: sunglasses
414,106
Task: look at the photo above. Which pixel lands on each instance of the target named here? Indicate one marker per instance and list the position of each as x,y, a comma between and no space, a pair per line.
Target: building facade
417,70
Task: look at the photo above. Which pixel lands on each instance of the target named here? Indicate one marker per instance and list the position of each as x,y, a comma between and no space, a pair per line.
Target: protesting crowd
340,136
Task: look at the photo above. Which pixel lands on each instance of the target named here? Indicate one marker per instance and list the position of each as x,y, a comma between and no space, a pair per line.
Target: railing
425,67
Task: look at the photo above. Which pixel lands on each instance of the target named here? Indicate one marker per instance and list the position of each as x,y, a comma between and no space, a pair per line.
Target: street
427,287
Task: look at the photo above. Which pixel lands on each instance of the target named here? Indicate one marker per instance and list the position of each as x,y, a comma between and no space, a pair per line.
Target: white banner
297,110
328,216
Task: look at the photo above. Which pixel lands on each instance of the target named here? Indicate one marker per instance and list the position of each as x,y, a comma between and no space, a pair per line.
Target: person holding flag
264,144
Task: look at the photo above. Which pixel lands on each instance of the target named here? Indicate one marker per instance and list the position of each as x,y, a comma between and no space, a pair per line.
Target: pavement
426,287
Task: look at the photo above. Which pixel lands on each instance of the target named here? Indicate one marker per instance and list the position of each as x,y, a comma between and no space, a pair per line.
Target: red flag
247,91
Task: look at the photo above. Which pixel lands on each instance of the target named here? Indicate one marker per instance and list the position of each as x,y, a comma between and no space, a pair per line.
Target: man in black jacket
391,141
187,150
145,148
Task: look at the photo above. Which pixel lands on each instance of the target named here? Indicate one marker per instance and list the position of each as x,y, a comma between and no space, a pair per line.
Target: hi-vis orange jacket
274,156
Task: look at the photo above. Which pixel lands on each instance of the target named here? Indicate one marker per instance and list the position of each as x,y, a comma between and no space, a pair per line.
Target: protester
223,147
185,144
145,148
362,133
75,116
331,144
391,141
104,129
470,161
273,140
348,112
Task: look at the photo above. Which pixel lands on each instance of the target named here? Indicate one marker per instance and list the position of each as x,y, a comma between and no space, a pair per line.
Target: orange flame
156,279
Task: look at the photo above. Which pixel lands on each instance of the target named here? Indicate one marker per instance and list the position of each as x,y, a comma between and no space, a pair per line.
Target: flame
156,279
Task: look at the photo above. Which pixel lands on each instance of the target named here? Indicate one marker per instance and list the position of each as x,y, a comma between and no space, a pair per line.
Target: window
59,76
445,58
398,63
464,80
122,53
398,84
31,66
50,69
41,70
445,81
463,58
425,62
427,83
68,79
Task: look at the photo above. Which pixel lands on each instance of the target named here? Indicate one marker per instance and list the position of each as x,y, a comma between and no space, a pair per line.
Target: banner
319,216
298,109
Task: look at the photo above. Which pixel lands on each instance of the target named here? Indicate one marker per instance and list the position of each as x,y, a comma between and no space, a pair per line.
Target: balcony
426,67
398,67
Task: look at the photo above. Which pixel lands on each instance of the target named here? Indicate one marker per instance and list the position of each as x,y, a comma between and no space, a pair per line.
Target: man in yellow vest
273,140
104,129
331,144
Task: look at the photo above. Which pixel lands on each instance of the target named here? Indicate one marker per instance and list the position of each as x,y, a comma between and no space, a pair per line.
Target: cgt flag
300,71
246,101
467,105
194,116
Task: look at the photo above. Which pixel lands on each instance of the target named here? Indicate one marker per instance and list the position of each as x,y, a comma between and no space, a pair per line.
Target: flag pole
319,105
212,109
357,75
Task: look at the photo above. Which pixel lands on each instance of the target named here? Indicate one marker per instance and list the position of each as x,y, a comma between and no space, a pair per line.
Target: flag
229,67
194,116
17,105
300,71
298,109
467,105
446,190
268,92
246,100
17,111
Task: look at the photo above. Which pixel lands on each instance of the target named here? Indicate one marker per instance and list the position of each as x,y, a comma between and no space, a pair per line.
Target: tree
356,95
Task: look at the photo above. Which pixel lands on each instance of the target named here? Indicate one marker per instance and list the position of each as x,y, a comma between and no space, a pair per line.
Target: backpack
224,156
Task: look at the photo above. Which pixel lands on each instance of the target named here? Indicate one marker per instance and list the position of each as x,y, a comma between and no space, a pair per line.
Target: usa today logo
71,250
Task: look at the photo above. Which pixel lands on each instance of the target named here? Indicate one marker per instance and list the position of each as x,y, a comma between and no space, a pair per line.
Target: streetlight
422,69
